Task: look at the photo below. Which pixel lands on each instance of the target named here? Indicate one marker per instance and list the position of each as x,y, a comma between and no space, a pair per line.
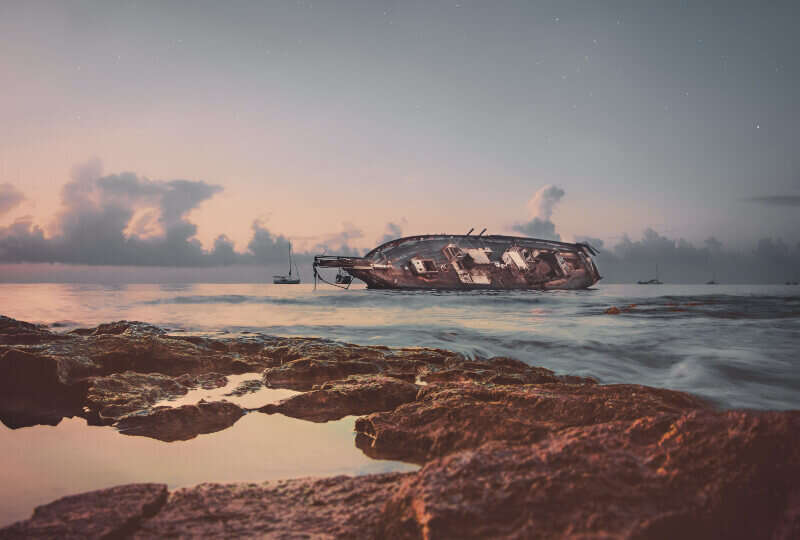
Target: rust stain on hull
463,262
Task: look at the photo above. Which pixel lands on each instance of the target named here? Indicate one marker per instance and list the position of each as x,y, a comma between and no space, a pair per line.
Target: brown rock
117,328
246,387
106,513
181,423
32,390
304,373
358,394
446,418
613,310
698,475
338,507
133,365
497,370
14,332
121,394
701,474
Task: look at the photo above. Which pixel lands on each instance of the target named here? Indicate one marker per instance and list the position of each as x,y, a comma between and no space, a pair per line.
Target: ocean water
736,345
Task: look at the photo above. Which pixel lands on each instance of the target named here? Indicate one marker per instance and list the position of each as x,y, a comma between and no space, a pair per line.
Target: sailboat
651,281
290,279
713,280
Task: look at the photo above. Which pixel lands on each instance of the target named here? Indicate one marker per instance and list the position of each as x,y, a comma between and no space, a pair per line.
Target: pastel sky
317,117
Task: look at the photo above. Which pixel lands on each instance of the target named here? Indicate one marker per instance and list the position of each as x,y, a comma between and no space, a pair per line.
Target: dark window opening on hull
423,266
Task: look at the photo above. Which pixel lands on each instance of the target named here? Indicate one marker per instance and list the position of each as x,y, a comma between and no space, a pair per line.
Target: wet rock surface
507,450
337,507
181,423
337,399
446,418
696,475
106,513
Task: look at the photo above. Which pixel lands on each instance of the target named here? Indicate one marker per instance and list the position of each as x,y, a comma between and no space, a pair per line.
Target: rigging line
318,274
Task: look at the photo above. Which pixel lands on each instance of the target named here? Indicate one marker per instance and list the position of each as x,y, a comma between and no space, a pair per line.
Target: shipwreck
465,262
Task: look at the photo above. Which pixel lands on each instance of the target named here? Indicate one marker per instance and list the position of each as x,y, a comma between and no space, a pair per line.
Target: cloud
97,226
266,248
10,197
129,220
591,240
680,261
541,207
393,231
538,228
544,201
777,200
339,243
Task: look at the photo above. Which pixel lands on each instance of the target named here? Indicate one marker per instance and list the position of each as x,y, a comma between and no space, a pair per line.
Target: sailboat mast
290,259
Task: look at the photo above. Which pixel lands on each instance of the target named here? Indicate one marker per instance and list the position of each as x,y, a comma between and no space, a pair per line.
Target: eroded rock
446,418
304,373
697,475
115,396
338,507
354,395
33,391
246,387
106,513
181,423
508,450
131,366
14,332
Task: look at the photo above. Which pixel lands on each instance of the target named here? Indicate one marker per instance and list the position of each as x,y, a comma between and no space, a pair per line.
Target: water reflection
43,463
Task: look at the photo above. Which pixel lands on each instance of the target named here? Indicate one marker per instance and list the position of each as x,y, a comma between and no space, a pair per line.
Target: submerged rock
354,395
107,513
181,423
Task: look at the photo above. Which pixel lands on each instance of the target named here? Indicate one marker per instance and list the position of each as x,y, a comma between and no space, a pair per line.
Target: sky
331,125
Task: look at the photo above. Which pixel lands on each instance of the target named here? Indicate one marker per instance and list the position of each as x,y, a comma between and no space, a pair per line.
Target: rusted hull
459,262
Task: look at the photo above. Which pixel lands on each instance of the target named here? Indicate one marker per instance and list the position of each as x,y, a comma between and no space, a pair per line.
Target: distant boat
792,283
654,281
290,279
713,280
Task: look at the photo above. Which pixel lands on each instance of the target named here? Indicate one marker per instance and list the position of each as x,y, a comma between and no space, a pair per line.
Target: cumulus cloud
544,201
680,261
126,219
97,226
393,231
266,248
538,228
340,243
10,197
541,208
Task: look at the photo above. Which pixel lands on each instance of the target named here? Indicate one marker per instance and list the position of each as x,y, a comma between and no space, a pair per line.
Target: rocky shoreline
505,449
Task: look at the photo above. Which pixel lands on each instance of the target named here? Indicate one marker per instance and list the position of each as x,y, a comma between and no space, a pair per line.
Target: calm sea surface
738,345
